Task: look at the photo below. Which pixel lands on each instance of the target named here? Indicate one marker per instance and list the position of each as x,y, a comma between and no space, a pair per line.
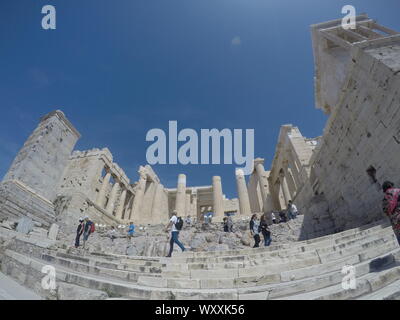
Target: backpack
92,228
179,223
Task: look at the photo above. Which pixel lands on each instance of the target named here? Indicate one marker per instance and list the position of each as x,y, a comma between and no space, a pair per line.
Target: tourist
112,234
265,230
79,232
88,230
391,206
282,216
225,221
292,210
230,223
274,221
131,230
188,220
175,224
254,230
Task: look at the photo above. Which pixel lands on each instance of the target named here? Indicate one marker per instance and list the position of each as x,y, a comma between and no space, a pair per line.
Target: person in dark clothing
255,230
87,230
391,206
282,216
79,232
226,228
265,230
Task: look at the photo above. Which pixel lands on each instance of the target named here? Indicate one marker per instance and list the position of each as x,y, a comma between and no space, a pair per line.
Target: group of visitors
85,227
228,224
260,226
390,204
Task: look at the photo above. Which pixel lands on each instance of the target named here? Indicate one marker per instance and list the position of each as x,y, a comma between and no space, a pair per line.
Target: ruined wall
41,161
362,131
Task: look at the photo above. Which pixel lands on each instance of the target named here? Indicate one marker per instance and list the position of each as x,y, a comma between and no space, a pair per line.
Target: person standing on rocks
254,230
265,230
225,221
131,231
292,210
79,232
391,206
88,229
176,225
230,223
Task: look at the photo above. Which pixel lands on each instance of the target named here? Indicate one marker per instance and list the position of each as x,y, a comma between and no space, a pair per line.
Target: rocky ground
153,241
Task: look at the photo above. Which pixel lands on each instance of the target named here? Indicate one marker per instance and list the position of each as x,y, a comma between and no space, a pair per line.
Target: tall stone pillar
102,193
121,206
138,199
263,181
113,197
180,203
188,203
218,199
244,202
285,189
194,204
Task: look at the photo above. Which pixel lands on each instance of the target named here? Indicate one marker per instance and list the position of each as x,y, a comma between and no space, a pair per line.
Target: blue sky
120,68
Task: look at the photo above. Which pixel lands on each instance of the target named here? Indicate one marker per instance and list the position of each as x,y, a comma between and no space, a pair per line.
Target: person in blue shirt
131,230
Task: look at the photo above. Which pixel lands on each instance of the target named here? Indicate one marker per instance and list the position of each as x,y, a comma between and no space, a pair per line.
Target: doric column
121,206
263,182
285,189
113,197
139,194
101,196
180,202
194,203
188,209
244,202
295,171
218,198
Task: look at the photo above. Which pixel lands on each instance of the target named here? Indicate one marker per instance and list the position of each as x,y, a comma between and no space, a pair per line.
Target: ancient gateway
334,180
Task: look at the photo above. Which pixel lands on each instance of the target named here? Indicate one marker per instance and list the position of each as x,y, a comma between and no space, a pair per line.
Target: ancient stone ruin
333,179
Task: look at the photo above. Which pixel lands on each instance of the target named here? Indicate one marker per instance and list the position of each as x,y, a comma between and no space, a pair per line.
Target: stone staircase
309,269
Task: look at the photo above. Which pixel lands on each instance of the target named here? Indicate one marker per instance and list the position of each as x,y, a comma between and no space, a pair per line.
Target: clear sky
119,68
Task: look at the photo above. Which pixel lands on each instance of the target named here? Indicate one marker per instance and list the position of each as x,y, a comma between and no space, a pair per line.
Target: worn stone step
365,284
27,270
390,292
260,253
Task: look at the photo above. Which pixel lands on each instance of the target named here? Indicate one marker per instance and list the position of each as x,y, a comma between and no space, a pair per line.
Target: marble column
263,182
218,199
121,206
102,193
139,194
113,197
244,202
188,204
180,202
194,204
295,171
285,189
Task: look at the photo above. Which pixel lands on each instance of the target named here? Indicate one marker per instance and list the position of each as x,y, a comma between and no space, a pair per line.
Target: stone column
295,171
285,189
121,205
139,194
101,196
244,202
113,197
194,204
218,199
180,202
263,181
188,208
